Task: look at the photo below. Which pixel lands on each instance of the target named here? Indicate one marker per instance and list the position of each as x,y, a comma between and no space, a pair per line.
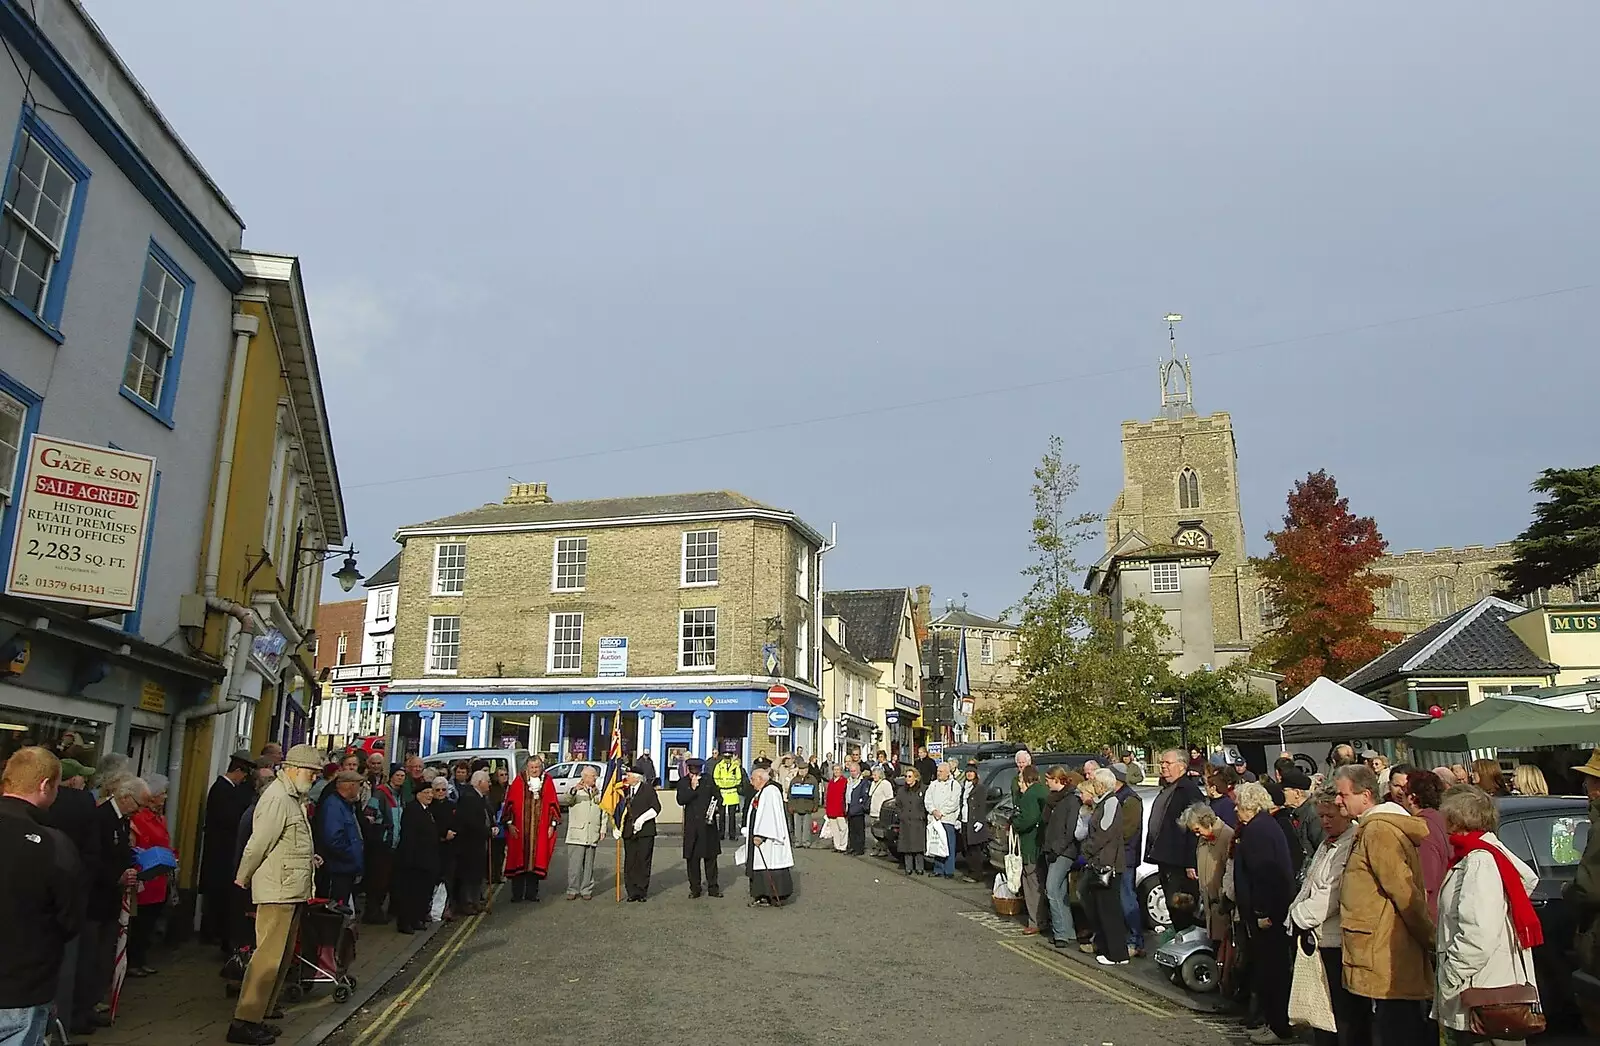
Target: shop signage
891,717
605,703
1575,622
910,704
936,750
729,746
152,698
425,704
613,655
778,695
19,660
267,649
778,718
508,741
769,657
81,524
580,748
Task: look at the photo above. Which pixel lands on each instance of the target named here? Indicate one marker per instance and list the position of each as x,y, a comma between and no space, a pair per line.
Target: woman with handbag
974,815
1105,861
1487,930
1025,829
913,813
1314,918
1263,877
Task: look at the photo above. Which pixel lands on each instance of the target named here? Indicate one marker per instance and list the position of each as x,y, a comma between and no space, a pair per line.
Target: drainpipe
816,631
244,328
242,623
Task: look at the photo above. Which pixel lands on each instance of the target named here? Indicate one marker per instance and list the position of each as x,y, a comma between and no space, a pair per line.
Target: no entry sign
778,695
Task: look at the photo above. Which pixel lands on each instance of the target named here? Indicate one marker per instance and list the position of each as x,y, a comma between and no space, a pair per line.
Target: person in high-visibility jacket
732,784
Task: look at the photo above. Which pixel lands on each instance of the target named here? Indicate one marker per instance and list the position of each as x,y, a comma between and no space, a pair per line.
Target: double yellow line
1069,970
380,1030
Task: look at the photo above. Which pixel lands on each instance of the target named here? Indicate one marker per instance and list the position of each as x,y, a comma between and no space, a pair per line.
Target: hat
1590,769
305,757
694,766
1371,753
1120,772
644,767
241,761
1299,780
349,775
71,768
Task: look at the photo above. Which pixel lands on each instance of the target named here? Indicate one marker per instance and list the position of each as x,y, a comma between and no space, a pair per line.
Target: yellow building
276,508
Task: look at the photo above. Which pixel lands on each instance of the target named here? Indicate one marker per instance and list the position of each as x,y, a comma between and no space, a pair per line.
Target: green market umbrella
1502,723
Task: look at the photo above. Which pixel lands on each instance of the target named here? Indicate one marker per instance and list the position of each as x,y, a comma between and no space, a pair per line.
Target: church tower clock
1180,485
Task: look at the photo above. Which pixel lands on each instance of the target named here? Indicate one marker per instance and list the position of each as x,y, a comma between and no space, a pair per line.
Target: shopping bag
1014,864
1309,999
436,909
1003,890
938,845
827,831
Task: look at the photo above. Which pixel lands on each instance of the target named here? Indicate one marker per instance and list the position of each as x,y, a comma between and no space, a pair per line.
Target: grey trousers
580,869
1032,896
800,832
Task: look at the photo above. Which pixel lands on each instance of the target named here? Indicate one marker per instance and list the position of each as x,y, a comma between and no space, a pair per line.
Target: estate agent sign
82,524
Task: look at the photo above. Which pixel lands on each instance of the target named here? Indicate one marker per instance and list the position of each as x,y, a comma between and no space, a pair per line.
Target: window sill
697,668
564,671
447,595
697,584
566,591
28,314
440,671
154,412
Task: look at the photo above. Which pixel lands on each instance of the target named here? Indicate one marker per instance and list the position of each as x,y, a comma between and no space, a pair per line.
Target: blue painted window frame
162,411
48,319
30,425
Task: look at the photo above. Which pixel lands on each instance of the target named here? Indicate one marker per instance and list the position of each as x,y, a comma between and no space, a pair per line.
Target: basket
1007,905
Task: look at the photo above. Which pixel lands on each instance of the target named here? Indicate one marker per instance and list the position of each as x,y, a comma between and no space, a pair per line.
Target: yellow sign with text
82,523
152,698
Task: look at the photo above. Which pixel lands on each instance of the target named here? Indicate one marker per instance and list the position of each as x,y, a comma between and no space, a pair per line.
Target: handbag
1101,875
1014,864
1310,1001
1512,1012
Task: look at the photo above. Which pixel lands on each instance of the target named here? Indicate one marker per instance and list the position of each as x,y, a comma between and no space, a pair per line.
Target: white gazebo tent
1323,711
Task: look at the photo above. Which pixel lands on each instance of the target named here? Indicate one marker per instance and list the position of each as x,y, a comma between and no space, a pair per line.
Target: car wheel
1199,973
1153,903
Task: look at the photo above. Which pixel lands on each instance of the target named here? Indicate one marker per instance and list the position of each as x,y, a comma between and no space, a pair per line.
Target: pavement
186,1003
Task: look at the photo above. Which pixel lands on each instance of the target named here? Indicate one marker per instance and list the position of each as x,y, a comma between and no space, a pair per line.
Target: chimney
528,494
919,613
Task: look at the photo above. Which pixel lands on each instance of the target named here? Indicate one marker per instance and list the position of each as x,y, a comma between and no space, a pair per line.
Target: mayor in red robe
530,816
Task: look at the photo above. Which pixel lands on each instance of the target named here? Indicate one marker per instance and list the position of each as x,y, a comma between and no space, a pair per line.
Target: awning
1506,724
1324,711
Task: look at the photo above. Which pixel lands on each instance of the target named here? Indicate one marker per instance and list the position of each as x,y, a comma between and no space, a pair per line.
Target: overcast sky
536,236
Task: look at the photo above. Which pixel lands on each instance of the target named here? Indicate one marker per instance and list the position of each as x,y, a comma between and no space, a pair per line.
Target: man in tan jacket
1383,916
278,868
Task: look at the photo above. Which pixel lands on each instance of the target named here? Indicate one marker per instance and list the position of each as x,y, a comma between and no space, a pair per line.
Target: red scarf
1523,917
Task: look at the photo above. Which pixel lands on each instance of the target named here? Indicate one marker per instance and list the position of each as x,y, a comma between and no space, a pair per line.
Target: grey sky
533,230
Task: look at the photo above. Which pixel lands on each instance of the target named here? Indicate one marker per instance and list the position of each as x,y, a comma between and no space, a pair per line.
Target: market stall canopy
1323,711
1506,724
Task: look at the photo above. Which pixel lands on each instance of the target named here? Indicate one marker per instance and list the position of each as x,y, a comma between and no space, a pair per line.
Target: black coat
75,816
643,798
225,805
472,822
913,811
1263,878
116,857
975,816
39,904
700,836
1168,842
1060,822
927,769
418,851
858,800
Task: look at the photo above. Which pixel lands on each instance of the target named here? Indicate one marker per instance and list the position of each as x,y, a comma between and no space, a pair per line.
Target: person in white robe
769,857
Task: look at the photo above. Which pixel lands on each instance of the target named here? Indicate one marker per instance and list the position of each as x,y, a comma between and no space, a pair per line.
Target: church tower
1180,486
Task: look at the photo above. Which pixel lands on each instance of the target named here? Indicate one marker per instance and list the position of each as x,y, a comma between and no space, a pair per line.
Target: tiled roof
704,503
872,619
1472,642
388,574
964,619
1166,551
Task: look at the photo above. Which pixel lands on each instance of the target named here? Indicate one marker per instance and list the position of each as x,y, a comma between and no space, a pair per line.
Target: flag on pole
963,683
613,792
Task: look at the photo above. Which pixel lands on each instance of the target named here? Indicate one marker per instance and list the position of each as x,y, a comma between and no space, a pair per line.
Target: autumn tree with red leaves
1319,578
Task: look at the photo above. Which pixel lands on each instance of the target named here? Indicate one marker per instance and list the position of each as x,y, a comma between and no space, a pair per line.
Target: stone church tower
1180,486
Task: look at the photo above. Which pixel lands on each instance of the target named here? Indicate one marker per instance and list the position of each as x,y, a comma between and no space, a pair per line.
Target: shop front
857,737
670,726
902,728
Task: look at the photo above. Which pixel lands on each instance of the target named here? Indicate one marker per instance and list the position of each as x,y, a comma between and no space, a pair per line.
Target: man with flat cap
702,843
229,798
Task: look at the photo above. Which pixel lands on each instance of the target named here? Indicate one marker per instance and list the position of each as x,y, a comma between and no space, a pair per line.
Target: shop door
142,745
676,746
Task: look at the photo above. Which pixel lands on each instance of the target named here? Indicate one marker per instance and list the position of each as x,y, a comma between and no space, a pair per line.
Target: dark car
1550,833
996,775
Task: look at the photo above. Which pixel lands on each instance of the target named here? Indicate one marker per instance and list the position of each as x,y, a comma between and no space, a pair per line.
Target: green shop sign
1575,622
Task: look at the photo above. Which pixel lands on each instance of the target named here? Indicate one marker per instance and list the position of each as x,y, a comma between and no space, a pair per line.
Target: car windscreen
1555,841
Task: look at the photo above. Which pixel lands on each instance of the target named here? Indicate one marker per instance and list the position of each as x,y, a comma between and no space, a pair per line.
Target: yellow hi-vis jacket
727,775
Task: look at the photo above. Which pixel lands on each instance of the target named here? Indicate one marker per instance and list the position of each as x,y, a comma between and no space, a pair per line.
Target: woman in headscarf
444,815
913,822
637,828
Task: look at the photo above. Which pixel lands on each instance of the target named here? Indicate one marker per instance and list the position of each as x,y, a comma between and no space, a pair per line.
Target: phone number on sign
75,587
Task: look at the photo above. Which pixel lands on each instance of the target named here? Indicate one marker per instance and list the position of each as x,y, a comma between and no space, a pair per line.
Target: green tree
1085,679
1320,580
1211,700
1563,540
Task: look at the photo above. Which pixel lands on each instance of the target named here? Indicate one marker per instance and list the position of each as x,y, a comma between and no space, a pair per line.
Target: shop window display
66,737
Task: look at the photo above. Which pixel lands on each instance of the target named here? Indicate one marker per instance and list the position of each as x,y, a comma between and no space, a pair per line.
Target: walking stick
488,869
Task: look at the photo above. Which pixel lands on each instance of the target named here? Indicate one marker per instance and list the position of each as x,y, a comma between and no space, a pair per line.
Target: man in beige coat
1388,935
278,868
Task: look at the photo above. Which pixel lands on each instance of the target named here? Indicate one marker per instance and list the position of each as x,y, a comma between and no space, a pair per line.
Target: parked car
1550,833
565,775
512,759
996,775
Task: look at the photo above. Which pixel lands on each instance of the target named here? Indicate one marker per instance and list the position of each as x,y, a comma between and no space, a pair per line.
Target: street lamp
347,575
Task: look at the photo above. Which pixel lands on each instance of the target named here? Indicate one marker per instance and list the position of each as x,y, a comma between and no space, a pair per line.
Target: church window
1483,586
1164,577
1442,596
1537,598
1586,586
1267,610
1397,598
1188,489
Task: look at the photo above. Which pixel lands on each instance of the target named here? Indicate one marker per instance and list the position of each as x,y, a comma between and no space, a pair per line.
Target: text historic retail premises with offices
540,624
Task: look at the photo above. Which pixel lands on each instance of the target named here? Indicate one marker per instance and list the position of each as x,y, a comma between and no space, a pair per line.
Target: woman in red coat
149,828
530,815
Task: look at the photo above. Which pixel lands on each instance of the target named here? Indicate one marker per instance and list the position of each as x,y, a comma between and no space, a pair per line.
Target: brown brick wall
348,616
632,589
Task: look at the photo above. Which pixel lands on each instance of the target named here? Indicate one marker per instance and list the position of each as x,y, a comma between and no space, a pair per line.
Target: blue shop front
576,724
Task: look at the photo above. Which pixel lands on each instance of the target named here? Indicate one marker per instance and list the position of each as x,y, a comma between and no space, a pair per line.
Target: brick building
992,676
542,624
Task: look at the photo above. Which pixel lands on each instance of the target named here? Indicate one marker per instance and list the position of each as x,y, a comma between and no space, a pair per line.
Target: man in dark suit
226,803
112,876
1170,846
74,815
